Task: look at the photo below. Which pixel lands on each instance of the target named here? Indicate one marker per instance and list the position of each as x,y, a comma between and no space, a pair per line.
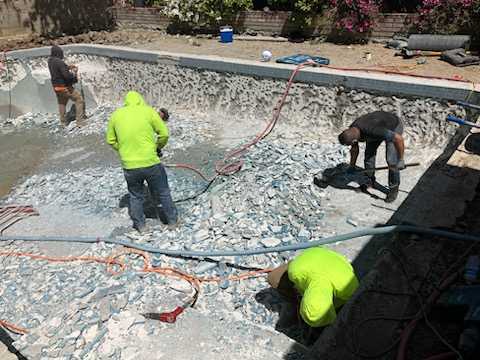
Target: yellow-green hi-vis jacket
325,280
136,131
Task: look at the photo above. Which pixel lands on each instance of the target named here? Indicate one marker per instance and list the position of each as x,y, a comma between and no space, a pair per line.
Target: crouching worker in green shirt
321,279
136,131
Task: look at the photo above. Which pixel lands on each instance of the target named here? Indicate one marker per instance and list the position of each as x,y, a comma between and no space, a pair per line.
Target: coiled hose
219,253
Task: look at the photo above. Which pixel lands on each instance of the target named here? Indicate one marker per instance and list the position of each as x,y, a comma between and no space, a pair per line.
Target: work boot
173,227
141,229
82,123
367,184
392,195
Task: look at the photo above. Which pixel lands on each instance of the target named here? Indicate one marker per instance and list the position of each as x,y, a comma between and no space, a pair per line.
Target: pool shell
321,103
321,98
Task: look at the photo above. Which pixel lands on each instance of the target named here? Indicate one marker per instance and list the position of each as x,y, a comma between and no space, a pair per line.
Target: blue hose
218,253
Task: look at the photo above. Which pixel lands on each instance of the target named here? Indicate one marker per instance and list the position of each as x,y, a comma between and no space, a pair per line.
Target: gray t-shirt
377,126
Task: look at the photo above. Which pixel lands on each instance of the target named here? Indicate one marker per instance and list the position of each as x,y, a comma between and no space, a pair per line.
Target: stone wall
268,22
20,17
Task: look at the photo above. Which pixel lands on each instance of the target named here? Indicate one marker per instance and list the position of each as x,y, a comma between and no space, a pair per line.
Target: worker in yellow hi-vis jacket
323,280
136,131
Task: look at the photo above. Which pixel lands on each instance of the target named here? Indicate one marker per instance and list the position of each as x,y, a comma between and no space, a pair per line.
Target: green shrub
205,12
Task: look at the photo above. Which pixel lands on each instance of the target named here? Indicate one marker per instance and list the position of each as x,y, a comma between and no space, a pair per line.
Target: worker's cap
165,114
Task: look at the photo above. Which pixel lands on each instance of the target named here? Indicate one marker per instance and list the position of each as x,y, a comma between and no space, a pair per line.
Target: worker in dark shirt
373,129
63,79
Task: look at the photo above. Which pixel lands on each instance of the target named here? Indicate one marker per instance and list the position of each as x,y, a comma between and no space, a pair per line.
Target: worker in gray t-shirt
373,129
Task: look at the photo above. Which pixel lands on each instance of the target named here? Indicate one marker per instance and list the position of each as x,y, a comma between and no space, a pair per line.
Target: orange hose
112,261
224,167
14,328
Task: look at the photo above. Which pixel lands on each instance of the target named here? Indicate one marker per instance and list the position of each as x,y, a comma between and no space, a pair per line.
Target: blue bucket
226,34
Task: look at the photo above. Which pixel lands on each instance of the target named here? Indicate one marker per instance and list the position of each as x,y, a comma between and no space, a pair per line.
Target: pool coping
351,79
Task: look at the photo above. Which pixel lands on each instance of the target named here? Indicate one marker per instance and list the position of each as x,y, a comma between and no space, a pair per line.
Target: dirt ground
349,56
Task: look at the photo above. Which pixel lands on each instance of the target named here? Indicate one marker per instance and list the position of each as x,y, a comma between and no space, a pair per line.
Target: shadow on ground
150,210
339,178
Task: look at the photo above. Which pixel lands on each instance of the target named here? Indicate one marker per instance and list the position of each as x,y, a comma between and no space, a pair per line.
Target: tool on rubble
387,167
468,105
462,122
408,53
330,174
171,317
465,299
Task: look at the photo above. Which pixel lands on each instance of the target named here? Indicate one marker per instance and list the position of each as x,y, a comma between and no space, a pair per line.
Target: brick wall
18,17
141,17
271,22
388,25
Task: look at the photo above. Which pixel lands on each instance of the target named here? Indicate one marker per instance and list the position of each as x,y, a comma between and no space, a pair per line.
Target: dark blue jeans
392,159
157,181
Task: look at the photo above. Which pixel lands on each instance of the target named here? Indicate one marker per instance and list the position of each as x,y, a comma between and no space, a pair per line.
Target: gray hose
219,253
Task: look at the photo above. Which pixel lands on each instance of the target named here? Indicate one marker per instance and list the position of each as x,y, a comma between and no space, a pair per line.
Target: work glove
159,153
401,165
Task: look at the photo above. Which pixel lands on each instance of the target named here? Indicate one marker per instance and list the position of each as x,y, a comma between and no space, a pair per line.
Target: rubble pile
70,309
79,310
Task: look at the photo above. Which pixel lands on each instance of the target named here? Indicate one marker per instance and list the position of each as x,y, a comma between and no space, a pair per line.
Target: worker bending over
323,279
375,128
63,78
136,131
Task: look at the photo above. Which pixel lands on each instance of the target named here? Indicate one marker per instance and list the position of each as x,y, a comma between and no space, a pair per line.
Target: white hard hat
266,55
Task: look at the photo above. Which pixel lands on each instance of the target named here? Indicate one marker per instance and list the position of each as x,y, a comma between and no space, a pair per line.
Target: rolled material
438,42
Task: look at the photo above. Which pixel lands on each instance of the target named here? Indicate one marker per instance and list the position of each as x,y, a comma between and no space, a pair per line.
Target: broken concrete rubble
79,310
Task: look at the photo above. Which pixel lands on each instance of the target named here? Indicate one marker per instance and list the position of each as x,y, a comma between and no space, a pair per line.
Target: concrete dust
20,154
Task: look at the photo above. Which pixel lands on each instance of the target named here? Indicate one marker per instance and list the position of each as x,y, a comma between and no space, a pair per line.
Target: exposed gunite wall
309,106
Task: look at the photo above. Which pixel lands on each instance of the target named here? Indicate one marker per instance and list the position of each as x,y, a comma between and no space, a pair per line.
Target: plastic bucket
226,34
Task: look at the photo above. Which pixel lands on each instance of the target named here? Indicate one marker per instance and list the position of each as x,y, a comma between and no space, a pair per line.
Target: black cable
356,351
7,67
423,307
204,190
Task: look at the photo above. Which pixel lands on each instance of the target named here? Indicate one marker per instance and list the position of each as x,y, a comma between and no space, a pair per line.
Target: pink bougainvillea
449,17
354,15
